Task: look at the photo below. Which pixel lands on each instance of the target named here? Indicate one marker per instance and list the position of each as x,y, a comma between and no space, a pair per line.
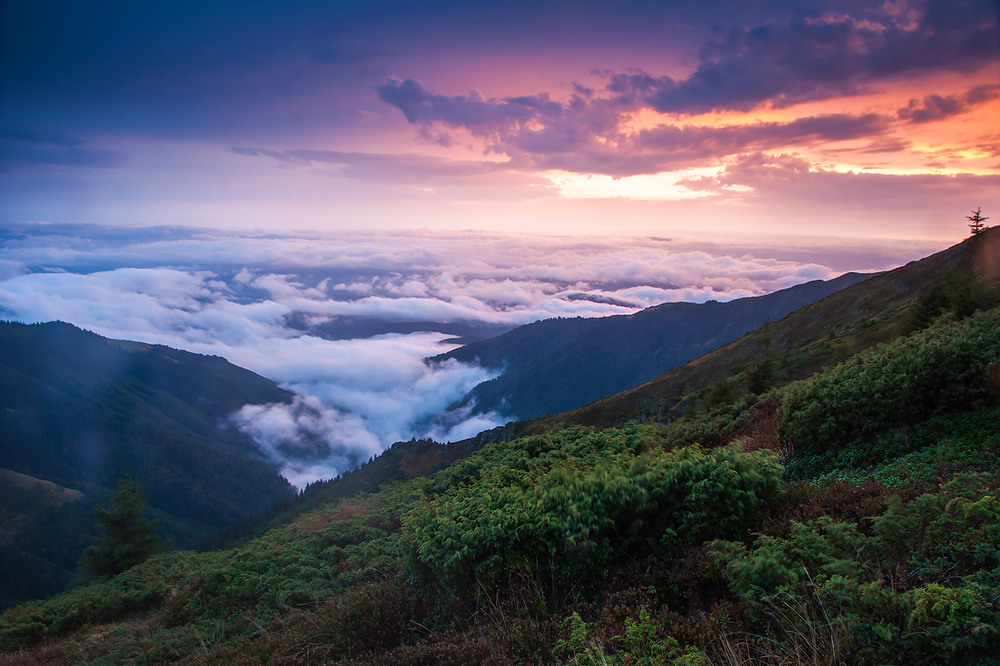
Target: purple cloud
938,107
585,134
695,143
775,64
472,111
515,126
796,182
383,167
780,65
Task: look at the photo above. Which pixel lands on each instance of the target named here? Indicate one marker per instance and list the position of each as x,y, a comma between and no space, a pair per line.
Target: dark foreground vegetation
852,517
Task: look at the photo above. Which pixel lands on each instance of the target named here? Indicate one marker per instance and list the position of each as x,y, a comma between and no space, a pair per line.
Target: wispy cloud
31,150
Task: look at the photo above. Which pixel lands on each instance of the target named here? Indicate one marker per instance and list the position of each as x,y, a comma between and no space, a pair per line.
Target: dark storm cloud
939,107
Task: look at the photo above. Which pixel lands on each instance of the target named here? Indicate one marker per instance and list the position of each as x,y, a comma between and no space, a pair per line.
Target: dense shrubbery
578,512
938,370
322,555
135,590
923,456
918,586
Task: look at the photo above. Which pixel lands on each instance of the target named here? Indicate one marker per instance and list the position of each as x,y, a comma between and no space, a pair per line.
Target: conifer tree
128,536
976,220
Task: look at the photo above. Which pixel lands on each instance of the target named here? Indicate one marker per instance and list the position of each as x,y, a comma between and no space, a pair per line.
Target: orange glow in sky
602,118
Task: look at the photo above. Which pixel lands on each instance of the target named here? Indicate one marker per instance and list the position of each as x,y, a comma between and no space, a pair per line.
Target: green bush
133,591
308,562
938,370
577,512
921,457
920,588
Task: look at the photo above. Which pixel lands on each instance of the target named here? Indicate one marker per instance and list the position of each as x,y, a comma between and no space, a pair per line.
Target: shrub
579,512
136,590
941,369
920,589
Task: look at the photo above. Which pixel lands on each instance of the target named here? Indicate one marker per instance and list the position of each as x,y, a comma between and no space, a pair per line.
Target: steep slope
558,364
960,278
79,410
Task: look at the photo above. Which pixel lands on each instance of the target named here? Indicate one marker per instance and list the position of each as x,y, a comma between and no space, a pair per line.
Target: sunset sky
846,119
248,178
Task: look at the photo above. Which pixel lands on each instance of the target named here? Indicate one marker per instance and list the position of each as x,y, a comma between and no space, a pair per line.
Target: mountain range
555,365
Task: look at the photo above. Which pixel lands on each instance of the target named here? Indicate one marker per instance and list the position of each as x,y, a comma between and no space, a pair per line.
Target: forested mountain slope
79,411
555,365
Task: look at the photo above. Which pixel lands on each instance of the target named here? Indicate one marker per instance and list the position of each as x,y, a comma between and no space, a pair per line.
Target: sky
323,191
808,118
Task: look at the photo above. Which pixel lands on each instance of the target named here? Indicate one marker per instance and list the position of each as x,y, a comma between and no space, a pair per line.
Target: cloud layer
269,303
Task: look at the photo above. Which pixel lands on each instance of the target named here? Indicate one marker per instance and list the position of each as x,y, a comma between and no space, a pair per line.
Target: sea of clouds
288,308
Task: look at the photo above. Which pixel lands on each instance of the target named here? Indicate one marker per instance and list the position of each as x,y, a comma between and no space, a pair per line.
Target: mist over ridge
346,322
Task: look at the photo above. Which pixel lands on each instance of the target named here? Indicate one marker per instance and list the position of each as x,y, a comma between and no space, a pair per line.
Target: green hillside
78,411
850,517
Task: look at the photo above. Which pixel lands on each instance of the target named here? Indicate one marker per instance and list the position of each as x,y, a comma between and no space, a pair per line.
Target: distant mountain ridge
79,410
555,365
824,332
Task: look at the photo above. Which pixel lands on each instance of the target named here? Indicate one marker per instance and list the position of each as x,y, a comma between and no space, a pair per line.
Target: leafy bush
921,457
307,562
643,643
577,512
920,588
935,371
135,590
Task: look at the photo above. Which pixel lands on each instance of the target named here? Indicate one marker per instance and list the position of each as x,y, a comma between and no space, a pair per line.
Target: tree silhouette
976,220
128,537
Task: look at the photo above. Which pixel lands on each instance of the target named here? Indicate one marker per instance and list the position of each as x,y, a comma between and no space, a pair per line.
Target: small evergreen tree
128,536
976,220
760,373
